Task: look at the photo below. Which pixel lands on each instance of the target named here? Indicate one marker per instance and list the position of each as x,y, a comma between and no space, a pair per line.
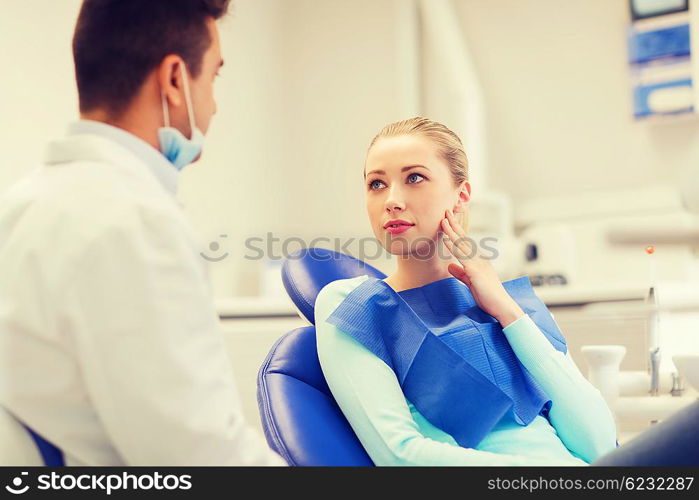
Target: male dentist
110,346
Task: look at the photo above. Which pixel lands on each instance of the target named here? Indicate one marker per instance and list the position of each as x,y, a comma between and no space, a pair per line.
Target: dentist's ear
170,79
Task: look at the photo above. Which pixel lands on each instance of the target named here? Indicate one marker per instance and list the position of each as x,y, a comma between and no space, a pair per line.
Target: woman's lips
401,228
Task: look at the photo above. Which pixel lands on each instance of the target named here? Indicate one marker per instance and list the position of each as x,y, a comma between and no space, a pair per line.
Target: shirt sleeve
370,397
150,349
578,412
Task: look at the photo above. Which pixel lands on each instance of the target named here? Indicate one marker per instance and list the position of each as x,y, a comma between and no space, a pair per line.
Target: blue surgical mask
179,150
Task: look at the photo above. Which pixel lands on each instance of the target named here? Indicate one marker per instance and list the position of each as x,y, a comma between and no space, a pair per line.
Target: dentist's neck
142,118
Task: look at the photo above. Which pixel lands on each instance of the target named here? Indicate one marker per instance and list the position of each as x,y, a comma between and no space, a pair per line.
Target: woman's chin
410,247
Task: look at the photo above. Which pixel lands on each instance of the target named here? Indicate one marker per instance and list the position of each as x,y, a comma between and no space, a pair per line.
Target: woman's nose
394,203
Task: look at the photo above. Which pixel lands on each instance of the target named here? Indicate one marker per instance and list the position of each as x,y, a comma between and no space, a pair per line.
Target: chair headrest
308,270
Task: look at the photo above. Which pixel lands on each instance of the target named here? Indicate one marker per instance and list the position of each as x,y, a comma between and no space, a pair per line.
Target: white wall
559,102
37,84
238,186
308,83
306,86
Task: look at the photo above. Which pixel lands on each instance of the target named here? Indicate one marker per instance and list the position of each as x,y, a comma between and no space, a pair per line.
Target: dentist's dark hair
117,43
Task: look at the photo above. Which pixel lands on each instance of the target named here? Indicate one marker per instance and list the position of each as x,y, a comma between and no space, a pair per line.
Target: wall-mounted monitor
642,9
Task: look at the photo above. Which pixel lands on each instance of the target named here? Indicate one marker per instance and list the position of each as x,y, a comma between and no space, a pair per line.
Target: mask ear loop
188,100
166,112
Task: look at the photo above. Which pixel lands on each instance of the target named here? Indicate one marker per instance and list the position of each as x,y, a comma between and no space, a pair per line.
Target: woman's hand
478,274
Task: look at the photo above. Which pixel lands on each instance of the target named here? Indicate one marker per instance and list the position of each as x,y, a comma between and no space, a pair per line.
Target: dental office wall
556,89
37,87
307,84
558,97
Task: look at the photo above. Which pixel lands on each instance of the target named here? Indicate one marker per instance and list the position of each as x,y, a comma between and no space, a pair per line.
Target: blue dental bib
452,360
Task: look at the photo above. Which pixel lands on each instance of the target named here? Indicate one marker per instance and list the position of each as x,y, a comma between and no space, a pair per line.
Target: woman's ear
461,207
464,198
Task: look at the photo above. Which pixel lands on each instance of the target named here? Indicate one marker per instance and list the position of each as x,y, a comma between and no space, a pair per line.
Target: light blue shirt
580,427
162,169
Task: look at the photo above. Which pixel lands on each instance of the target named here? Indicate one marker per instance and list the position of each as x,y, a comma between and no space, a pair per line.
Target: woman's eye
412,178
375,184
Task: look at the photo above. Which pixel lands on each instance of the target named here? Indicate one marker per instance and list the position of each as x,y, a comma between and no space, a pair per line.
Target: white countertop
275,306
564,294
252,307
647,408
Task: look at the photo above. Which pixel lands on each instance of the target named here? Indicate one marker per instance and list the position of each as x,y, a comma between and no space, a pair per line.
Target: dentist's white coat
109,341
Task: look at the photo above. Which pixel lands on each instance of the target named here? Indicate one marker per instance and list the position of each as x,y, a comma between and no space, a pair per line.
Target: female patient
441,363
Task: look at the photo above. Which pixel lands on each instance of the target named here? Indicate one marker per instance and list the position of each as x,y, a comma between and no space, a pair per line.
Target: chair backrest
307,271
300,418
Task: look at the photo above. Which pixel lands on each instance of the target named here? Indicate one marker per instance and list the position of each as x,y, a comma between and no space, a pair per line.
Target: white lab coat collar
95,141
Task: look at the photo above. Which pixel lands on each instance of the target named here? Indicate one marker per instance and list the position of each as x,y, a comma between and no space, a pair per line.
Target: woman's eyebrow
409,167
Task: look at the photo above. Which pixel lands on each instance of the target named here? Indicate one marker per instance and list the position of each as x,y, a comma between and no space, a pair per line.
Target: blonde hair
450,146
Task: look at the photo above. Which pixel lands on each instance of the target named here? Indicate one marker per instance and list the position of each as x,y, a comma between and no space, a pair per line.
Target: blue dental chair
300,418
303,423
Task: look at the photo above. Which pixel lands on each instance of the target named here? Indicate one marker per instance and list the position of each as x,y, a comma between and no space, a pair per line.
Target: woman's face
407,180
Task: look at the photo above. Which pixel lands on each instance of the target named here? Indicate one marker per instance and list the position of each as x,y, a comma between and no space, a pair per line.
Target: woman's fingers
449,242
455,224
458,272
459,242
449,230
